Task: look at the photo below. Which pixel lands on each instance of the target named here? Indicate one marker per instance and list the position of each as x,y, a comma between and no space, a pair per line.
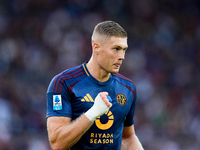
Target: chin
115,71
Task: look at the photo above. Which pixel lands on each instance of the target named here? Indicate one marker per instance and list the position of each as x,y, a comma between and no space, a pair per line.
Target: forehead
117,41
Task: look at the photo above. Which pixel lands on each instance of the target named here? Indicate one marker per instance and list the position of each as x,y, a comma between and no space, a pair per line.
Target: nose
121,55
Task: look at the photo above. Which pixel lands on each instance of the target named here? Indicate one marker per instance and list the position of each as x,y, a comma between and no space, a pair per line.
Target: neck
97,72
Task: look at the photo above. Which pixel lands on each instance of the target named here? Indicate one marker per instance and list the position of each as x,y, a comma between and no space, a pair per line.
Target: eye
116,48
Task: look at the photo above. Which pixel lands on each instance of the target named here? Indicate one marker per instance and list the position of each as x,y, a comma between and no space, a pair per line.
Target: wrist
90,114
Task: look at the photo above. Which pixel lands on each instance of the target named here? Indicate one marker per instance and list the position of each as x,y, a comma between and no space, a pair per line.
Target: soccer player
92,106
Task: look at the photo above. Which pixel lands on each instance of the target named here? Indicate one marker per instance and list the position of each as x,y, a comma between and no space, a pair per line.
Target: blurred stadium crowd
40,38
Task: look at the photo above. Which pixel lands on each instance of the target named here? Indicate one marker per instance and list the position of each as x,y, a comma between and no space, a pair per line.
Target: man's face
112,53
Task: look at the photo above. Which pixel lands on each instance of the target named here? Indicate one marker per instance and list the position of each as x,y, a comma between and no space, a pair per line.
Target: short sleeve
58,103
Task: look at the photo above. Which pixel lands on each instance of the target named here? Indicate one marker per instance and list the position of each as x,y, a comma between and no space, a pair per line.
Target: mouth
117,65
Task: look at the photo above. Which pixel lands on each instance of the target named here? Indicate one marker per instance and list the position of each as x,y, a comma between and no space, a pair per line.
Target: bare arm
129,139
63,133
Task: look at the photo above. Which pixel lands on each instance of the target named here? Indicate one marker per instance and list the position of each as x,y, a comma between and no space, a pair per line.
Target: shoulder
69,77
71,72
124,80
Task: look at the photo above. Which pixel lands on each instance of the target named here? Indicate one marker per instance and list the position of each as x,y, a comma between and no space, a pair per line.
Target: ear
96,48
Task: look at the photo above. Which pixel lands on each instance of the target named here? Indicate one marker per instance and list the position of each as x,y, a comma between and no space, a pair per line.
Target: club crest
121,99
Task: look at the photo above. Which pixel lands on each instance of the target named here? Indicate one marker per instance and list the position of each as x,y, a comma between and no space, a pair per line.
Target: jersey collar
93,79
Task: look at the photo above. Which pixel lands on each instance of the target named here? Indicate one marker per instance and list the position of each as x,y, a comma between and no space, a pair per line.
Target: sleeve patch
57,102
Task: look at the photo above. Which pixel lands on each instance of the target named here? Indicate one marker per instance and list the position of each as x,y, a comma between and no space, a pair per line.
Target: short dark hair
110,28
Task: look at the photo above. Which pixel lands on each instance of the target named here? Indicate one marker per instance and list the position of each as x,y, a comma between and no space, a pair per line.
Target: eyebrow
117,46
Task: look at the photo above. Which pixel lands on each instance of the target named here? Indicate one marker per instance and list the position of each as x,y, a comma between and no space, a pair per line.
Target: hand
101,106
106,99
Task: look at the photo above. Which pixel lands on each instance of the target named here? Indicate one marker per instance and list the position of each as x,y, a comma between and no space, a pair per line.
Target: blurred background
40,38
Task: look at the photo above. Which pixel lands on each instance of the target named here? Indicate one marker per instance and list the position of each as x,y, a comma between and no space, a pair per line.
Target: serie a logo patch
57,102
